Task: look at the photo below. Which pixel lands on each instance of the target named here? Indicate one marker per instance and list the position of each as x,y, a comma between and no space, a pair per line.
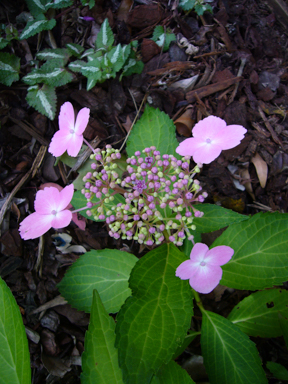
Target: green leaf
80,201
90,3
74,49
100,358
261,258
43,99
77,65
107,271
133,66
105,37
172,373
154,321
92,70
14,352
283,321
187,5
57,4
35,7
9,68
230,356
215,217
3,43
257,314
153,128
278,370
115,56
201,8
38,25
51,73
187,341
54,54
162,38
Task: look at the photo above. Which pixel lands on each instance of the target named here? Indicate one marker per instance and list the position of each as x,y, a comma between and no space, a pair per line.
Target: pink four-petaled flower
49,212
70,135
211,136
203,269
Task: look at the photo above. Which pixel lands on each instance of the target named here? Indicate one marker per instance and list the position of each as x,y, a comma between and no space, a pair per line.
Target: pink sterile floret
70,134
49,212
203,269
210,136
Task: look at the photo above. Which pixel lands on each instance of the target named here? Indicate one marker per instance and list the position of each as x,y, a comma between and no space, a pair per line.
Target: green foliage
9,68
51,73
199,6
14,352
257,314
105,37
107,271
43,99
163,38
58,55
278,370
172,373
39,24
230,356
74,49
154,321
100,358
153,128
90,3
260,260
215,218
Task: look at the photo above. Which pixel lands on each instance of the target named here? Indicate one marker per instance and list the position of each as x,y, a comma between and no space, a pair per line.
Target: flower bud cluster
156,196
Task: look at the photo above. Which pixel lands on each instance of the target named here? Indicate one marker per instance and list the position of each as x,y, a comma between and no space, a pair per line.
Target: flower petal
34,225
47,200
65,197
185,270
74,145
61,219
208,128
60,142
231,136
206,278
189,146
66,117
82,120
219,255
198,252
207,153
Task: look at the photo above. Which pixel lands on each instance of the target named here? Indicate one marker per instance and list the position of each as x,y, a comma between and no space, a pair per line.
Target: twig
270,129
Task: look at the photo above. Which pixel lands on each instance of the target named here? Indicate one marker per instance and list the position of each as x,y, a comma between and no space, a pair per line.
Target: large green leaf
107,271
37,25
257,314
100,358
43,99
215,217
261,252
278,370
105,37
172,373
230,357
153,128
14,352
9,68
154,321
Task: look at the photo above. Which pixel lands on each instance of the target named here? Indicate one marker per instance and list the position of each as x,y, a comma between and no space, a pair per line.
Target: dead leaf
244,173
124,9
261,169
185,123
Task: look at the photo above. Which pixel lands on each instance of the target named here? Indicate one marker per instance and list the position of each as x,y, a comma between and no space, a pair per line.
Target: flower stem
88,144
198,300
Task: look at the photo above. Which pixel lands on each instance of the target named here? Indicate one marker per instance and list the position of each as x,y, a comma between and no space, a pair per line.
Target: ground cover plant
150,290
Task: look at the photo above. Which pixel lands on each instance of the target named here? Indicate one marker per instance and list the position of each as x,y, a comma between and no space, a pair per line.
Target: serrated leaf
257,314
115,56
79,201
92,70
187,5
14,352
278,370
172,373
154,321
43,99
153,128
107,271
57,4
105,37
215,217
201,8
90,3
51,73
74,49
133,66
54,54
230,357
260,259
3,42
38,25
76,65
36,7
162,38
9,68
100,357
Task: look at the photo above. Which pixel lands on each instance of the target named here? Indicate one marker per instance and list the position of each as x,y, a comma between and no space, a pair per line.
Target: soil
241,65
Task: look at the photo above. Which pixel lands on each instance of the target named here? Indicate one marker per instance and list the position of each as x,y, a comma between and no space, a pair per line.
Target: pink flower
203,269
70,134
49,212
211,136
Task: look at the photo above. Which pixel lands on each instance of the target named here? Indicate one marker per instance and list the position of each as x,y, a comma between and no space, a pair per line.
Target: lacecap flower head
157,196
203,269
49,212
211,136
70,135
